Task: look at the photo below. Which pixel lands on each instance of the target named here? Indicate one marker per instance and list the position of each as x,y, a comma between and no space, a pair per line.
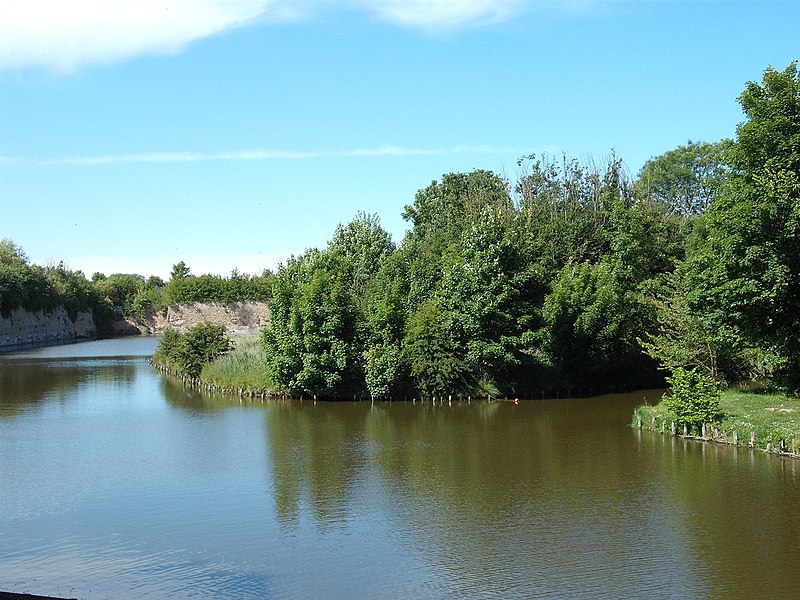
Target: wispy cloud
437,14
63,36
260,154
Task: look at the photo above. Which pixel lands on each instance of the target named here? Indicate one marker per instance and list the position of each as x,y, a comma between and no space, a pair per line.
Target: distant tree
11,253
179,271
565,208
360,248
688,178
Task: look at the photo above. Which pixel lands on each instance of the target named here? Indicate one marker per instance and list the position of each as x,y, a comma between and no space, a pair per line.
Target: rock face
23,327
237,317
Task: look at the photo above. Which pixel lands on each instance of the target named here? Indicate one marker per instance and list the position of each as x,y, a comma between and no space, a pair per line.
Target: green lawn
772,417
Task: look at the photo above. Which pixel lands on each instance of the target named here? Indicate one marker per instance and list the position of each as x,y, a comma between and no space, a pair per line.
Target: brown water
117,483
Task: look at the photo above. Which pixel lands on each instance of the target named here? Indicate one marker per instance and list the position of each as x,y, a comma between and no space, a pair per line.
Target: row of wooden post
781,448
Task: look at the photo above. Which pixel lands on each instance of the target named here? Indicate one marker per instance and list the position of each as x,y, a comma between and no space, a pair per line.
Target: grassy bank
770,417
242,367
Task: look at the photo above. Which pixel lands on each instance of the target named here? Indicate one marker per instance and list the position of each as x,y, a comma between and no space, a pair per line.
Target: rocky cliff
23,327
237,317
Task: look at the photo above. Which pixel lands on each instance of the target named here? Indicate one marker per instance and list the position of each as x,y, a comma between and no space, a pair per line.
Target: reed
243,367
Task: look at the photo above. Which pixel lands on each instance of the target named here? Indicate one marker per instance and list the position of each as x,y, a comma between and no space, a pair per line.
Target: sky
231,134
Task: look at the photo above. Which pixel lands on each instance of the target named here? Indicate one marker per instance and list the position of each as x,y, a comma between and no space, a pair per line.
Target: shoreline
756,420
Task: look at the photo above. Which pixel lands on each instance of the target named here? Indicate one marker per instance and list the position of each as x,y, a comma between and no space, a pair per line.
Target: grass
243,367
772,417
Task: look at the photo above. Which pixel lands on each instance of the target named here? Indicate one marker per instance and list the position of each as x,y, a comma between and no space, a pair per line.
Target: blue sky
233,133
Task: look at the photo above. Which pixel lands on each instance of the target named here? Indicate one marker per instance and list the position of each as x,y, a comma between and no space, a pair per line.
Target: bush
188,353
694,398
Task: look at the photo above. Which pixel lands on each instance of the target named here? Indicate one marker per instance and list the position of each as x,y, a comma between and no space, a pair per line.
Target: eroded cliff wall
23,327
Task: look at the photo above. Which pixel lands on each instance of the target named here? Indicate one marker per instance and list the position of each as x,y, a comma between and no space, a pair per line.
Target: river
116,482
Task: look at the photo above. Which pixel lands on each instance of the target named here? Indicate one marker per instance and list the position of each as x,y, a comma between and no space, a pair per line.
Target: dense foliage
489,293
577,277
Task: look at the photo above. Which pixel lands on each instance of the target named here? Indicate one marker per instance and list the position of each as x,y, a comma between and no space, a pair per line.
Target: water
115,482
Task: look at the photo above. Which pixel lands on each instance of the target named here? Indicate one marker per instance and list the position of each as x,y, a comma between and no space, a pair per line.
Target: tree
746,273
589,328
565,208
693,398
687,339
686,179
436,367
361,247
179,271
313,345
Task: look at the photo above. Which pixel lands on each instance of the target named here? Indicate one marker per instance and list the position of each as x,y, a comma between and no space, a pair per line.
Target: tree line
34,287
575,277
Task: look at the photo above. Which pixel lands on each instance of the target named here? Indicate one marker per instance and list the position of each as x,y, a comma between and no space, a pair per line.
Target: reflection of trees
739,509
560,495
316,454
26,383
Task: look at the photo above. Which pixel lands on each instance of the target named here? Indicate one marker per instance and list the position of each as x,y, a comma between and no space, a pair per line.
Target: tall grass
243,367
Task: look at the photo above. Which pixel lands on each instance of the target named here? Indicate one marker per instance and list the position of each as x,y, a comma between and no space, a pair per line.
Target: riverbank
750,418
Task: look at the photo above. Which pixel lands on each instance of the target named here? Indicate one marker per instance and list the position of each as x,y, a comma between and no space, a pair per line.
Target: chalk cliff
23,327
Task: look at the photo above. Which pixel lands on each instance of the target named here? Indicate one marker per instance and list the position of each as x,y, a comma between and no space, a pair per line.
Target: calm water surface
115,482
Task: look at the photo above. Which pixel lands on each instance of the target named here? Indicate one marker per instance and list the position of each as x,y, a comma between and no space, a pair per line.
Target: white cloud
63,35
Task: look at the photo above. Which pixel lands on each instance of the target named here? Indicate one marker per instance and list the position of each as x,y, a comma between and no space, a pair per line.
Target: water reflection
24,385
132,484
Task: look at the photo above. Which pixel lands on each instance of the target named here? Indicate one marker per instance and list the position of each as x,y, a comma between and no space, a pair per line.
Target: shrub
187,353
694,398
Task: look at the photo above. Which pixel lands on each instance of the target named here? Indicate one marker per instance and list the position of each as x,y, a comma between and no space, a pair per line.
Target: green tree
313,346
360,248
179,271
688,178
565,208
693,398
590,326
436,366
746,273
